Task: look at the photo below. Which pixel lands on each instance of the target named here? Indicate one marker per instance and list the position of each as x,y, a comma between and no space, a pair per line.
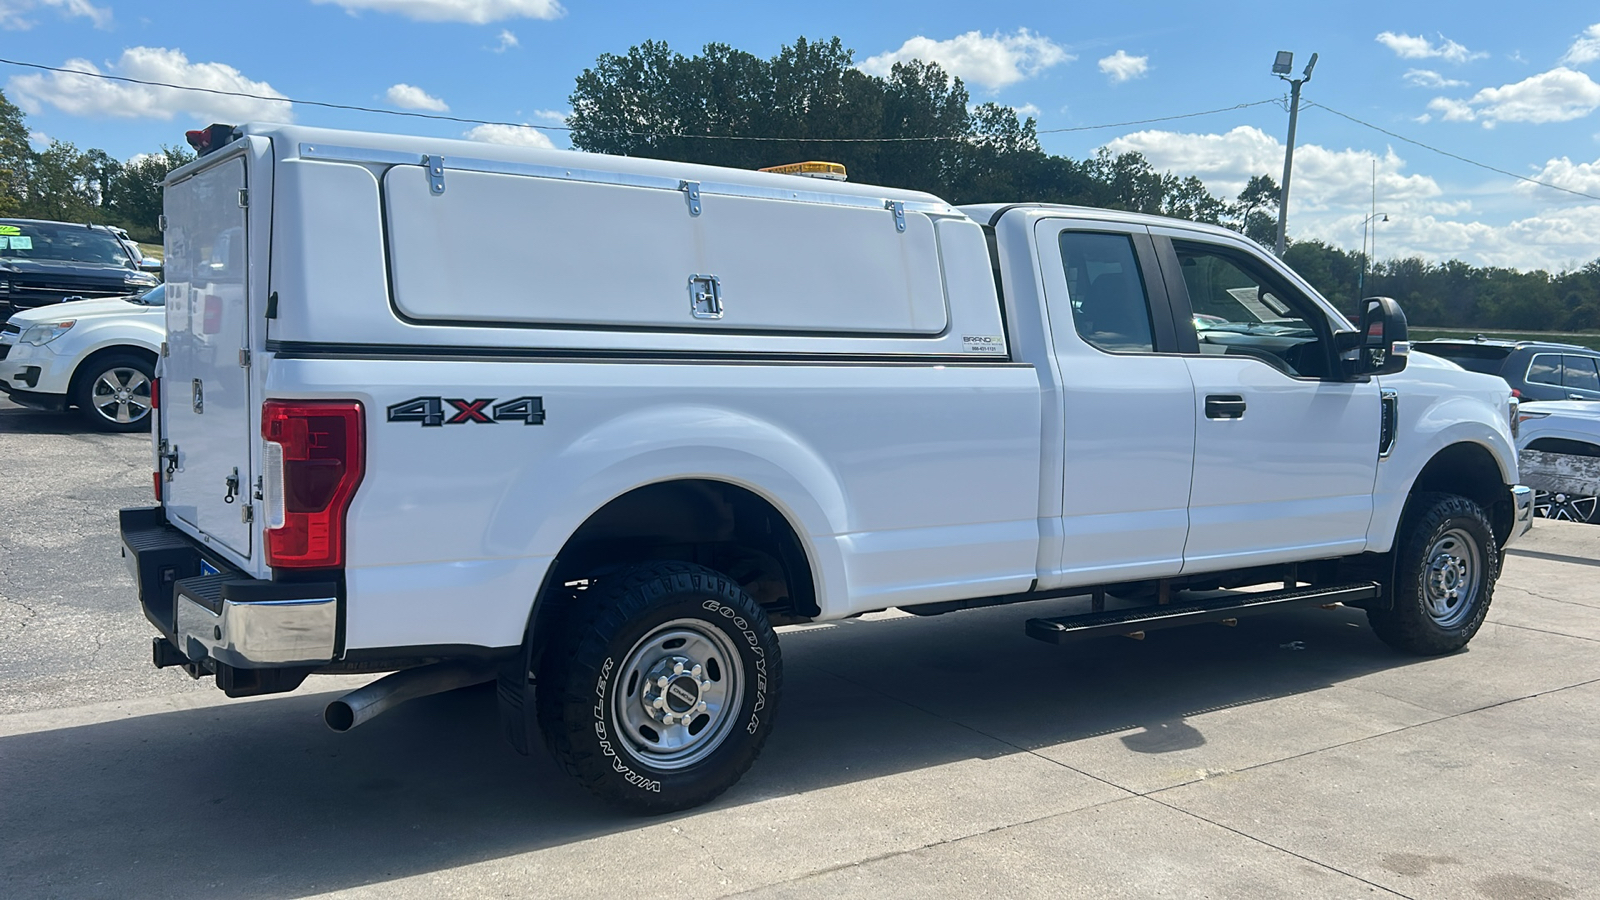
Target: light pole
1361,282
1281,68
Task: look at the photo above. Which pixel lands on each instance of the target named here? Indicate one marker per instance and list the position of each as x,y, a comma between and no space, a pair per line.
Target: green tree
16,158
1255,212
133,197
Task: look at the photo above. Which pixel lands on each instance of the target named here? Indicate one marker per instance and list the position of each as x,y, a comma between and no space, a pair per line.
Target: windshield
156,296
50,241
1472,357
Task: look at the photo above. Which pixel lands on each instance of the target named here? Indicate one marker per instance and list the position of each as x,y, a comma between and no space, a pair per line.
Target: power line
709,137
1454,156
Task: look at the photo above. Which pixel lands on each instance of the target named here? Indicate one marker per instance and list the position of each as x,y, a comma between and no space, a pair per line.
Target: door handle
1576,397
1224,406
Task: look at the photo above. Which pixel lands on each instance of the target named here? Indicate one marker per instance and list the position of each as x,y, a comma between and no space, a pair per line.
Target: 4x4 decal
432,411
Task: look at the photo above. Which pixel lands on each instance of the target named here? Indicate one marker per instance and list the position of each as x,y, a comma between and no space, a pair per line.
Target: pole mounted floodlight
1281,67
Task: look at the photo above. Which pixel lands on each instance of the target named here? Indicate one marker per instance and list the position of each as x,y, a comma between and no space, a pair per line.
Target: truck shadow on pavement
22,420
258,799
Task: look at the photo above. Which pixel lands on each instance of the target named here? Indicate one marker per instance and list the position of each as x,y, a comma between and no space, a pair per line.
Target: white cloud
1586,49
1552,239
408,96
1407,46
1121,67
1559,95
508,41
515,135
993,61
39,139
1323,178
1427,78
1563,172
14,13
1452,110
476,12
1332,195
1026,110
85,95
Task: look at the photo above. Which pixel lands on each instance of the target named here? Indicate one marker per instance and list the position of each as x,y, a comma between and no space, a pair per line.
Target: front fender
1443,420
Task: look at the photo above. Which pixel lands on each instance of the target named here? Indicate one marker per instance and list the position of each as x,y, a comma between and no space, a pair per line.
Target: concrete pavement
954,756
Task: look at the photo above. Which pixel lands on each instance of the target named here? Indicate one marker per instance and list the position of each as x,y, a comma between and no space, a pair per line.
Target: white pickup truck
594,426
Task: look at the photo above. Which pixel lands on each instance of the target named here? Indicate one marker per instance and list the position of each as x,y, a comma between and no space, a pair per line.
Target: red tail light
1516,393
156,477
155,393
213,315
314,459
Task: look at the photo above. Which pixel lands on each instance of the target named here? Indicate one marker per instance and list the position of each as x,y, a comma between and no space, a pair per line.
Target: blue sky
1512,87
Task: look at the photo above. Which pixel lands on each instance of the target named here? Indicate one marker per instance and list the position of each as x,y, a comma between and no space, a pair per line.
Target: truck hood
60,267
84,309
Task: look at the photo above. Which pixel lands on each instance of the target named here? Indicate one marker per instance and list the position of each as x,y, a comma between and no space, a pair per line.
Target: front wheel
1562,506
1444,579
113,394
661,688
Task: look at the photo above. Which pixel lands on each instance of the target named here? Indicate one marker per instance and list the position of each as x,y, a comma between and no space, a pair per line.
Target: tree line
64,183
915,128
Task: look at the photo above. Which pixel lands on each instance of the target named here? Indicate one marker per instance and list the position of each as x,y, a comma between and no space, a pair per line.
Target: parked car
140,261
1570,428
44,263
97,355
1536,370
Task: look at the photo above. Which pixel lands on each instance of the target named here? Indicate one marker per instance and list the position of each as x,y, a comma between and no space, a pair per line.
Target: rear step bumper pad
1062,629
229,617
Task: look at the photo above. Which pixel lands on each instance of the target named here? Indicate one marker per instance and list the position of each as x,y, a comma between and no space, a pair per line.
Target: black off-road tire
582,669
1408,625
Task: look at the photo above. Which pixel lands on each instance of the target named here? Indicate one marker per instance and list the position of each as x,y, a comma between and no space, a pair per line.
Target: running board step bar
1136,621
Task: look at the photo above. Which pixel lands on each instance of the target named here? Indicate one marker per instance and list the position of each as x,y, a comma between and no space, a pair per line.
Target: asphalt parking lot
1291,755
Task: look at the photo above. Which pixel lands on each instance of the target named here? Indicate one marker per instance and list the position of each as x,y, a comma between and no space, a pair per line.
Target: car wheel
113,394
1566,507
660,689
1444,577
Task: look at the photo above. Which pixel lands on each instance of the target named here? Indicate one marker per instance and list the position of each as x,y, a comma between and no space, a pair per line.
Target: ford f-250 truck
592,426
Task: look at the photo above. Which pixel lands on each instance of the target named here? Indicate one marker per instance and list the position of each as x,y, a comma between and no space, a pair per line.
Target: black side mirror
1381,347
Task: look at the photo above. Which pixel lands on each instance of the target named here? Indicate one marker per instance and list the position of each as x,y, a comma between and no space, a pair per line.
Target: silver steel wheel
1564,506
121,395
1453,578
679,690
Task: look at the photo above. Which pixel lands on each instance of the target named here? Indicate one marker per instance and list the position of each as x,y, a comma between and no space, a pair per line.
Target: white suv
98,355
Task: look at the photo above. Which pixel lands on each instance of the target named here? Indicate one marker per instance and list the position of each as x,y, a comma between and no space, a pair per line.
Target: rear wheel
660,689
113,394
1445,573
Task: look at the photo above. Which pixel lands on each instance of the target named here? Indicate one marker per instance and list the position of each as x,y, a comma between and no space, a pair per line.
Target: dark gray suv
1535,370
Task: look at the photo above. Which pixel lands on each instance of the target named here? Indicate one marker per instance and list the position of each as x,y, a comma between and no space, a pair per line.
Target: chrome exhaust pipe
392,690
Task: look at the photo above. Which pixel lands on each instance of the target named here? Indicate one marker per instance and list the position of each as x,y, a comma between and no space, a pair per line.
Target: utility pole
1281,68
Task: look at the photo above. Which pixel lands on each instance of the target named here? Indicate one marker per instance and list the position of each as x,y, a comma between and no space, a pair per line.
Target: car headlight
142,279
39,335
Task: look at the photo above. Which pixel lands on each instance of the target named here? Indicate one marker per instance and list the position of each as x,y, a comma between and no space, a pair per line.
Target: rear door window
1110,306
1581,373
1545,369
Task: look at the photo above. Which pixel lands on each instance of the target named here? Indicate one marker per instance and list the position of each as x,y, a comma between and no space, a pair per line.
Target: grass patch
154,251
1588,339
